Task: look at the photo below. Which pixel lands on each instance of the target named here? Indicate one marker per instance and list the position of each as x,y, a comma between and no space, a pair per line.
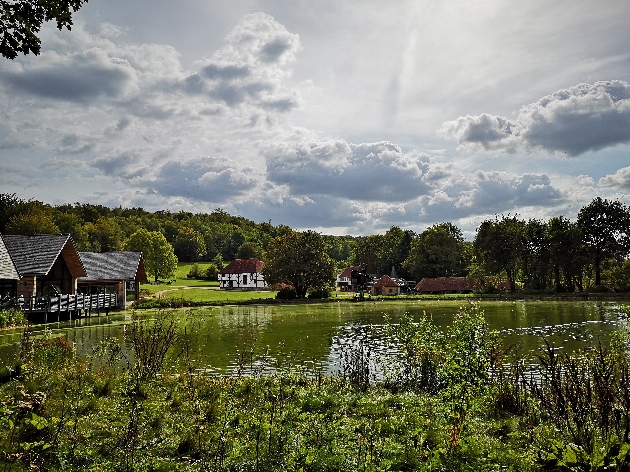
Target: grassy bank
449,401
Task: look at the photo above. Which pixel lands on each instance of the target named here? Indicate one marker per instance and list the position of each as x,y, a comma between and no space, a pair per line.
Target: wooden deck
79,305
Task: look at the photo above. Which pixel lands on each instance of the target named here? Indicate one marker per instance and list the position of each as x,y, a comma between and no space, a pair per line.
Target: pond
223,338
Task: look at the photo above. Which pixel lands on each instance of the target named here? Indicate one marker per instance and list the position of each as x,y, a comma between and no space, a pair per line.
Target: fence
69,303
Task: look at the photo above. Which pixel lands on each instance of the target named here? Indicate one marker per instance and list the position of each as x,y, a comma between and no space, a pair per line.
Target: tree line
557,254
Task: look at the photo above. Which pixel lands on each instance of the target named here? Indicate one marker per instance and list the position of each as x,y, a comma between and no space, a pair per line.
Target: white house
242,273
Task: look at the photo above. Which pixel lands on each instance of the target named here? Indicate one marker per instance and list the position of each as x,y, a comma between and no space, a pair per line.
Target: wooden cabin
9,277
47,264
119,272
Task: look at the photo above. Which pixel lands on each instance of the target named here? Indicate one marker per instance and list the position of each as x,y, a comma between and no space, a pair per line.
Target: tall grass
454,401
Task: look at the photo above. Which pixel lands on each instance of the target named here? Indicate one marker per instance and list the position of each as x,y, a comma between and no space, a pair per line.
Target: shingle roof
7,267
120,265
35,255
243,266
385,281
444,284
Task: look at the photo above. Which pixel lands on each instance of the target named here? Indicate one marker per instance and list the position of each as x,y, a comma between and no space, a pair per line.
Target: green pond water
316,334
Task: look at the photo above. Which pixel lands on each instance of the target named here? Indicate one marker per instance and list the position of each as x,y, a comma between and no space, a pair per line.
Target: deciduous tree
37,219
439,251
299,259
189,245
158,254
499,246
249,250
21,20
605,227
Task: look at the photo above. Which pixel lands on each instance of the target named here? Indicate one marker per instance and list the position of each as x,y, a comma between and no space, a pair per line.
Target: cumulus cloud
361,172
205,179
80,76
620,180
249,69
573,121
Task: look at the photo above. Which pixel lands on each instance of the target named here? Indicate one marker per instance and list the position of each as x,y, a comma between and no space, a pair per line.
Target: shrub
319,293
211,272
194,272
286,294
12,317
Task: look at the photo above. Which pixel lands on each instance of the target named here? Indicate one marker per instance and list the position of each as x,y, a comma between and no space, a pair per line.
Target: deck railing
69,303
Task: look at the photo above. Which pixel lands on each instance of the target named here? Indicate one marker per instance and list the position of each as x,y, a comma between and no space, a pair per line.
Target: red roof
243,266
444,284
347,272
385,281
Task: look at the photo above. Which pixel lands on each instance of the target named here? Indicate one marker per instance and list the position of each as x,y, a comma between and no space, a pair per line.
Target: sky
345,117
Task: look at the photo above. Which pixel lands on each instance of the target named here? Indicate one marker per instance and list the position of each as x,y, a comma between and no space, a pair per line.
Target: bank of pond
443,387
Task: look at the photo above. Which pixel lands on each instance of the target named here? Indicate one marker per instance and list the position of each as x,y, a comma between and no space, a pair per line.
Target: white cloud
576,120
620,180
359,172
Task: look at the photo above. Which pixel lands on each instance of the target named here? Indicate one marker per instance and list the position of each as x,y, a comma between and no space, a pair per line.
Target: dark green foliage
286,293
605,227
12,317
299,259
20,22
189,245
440,251
499,246
249,250
319,293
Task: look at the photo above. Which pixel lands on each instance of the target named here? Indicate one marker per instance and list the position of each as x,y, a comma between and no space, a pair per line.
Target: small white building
243,273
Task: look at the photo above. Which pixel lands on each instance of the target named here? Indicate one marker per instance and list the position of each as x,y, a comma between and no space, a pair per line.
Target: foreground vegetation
452,401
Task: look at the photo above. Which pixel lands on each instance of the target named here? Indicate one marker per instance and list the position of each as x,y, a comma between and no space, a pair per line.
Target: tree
189,245
566,253
10,205
395,247
300,260
535,255
439,251
365,251
499,246
71,224
249,250
21,20
605,227
158,254
37,219
105,235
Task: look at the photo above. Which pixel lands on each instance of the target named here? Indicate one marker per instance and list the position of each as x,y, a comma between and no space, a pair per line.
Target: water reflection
255,339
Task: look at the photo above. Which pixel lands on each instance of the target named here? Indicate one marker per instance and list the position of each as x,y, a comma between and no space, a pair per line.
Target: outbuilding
119,272
243,274
385,286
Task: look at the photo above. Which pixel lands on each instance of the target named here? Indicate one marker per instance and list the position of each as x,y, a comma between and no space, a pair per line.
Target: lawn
214,296
180,279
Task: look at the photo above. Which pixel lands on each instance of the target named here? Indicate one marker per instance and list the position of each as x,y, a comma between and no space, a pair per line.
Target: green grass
180,279
213,296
